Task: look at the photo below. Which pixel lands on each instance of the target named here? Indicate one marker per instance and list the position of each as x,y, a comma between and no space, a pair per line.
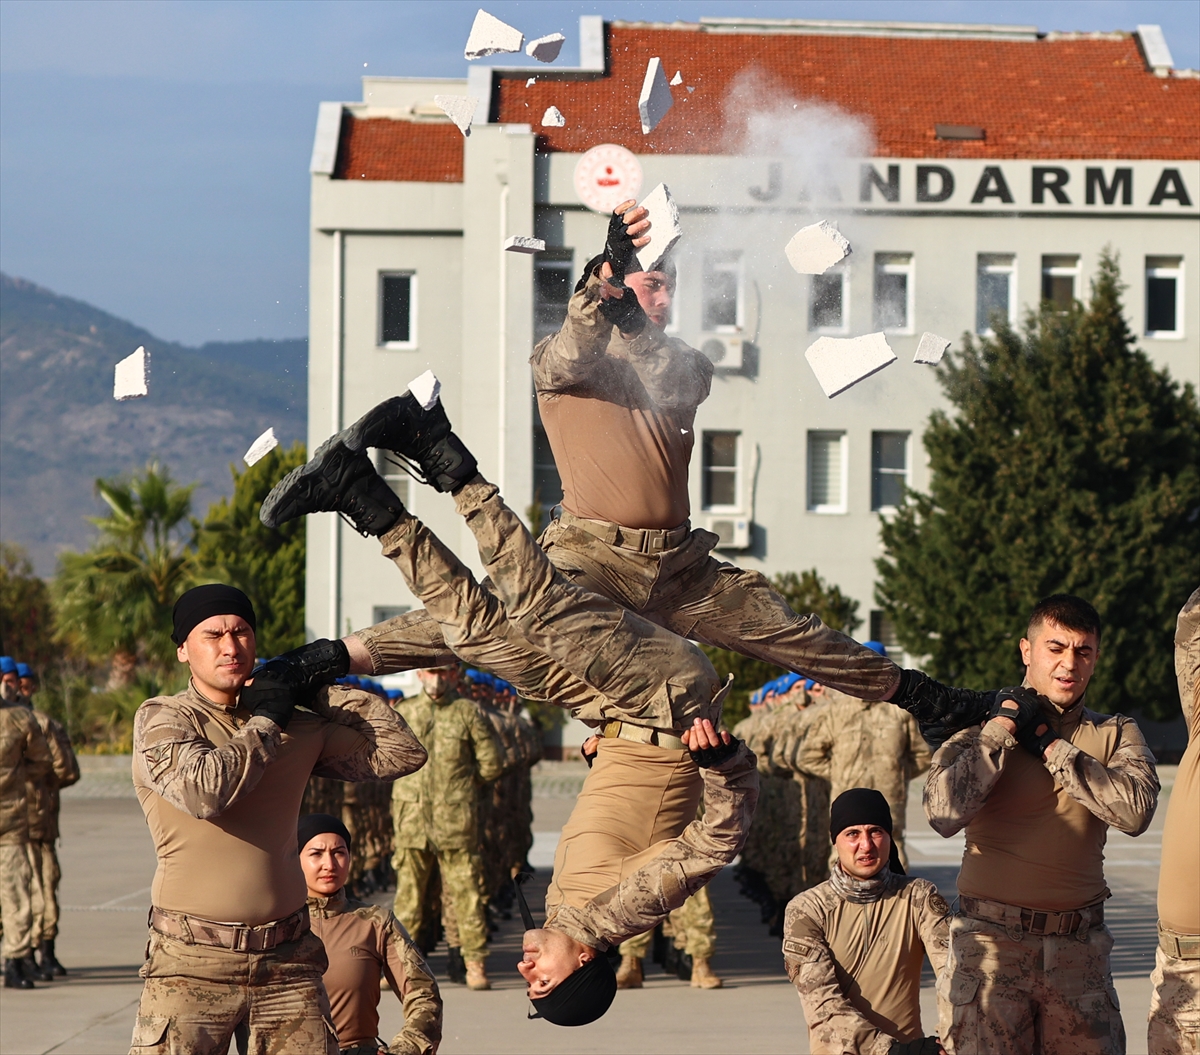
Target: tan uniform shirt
221,791
363,943
1036,829
24,759
619,415
1179,871
42,795
857,963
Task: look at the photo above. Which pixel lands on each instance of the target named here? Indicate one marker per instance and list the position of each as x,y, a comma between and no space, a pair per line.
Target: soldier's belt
641,540
1181,946
641,734
195,931
1033,921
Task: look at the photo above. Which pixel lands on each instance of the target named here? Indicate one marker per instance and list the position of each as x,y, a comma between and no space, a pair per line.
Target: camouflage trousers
196,996
16,907
46,874
1174,1006
462,894
1051,995
691,926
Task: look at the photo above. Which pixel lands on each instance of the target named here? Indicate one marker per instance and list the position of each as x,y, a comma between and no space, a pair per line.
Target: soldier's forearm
1123,794
961,777
204,781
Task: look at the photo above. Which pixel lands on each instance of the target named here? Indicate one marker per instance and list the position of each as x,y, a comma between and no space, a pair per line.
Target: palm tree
114,601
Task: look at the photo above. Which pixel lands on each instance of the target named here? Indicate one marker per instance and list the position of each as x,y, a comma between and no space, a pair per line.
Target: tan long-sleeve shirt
221,792
43,799
1036,829
364,943
24,759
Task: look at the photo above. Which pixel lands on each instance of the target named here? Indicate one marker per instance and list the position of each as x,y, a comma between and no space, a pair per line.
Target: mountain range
61,429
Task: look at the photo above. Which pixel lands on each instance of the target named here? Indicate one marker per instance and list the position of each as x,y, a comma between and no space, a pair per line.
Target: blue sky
154,153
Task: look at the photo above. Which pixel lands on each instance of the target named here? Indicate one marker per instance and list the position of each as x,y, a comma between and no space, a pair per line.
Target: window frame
1164,267
1073,271
844,328
705,469
413,315
825,509
906,472
891,263
988,263
551,260
390,471
738,267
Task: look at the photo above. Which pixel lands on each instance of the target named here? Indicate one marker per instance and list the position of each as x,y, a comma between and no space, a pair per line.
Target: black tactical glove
625,313
714,756
940,710
920,1046
589,759
1019,704
1036,743
619,250
317,663
269,697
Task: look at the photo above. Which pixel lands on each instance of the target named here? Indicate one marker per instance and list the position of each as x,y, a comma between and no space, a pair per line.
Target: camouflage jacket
438,807
854,949
24,759
363,943
519,742
42,795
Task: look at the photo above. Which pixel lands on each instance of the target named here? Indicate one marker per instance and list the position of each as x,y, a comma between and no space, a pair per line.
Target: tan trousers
1174,1006
1050,995
195,996
16,908
691,926
43,863
462,894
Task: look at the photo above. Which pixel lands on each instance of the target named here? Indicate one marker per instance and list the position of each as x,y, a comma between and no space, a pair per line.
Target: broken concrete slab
553,118
460,109
426,389
664,227
839,363
131,377
490,36
677,79
545,49
531,82
930,349
656,99
520,243
261,447
813,250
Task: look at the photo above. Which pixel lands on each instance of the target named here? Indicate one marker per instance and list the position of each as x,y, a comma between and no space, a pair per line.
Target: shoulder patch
938,904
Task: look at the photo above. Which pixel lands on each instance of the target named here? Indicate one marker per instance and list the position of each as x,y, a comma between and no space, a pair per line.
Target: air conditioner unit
733,532
724,349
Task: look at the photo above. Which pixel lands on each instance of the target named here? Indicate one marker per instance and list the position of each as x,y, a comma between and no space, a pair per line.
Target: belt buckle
241,939
1037,922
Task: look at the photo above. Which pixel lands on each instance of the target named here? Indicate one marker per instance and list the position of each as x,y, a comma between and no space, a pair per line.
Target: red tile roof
381,148
1051,98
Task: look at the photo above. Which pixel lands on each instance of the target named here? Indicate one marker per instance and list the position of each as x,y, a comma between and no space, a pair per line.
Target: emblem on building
606,176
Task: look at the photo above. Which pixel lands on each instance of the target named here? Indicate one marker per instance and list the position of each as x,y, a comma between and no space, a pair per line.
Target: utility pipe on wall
335,401
502,406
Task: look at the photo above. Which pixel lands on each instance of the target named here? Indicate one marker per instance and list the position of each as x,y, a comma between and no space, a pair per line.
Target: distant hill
60,427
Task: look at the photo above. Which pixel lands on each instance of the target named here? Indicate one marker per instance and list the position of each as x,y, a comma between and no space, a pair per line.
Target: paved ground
108,863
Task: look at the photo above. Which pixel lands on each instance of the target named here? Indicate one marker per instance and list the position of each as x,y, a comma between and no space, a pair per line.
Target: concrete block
261,447
813,250
490,36
553,118
664,227
460,109
545,49
531,82
655,100
520,243
677,79
131,378
426,389
839,363
931,349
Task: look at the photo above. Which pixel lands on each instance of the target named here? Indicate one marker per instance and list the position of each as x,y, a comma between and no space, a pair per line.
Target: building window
889,469
1164,305
552,286
722,311
893,292
827,472
995,290
829,302
395,477
721,466
883,630
547,484
398,309
1060,281
381,613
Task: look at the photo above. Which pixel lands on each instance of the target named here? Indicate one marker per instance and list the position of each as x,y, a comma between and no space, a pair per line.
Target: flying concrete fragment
664,227
261,447
531,82
131,378
460,109
520,243
813,250
490,36
426,389
839,363
677,79
931,349
655,100
545,49
553,118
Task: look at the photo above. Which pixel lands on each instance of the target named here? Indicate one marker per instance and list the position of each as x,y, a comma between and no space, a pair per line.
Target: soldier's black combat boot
48,962
456,969
14,976
337,480
423,437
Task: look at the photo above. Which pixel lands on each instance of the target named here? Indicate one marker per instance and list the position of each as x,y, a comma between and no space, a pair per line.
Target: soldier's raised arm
413,983
367,739
933,924
962,774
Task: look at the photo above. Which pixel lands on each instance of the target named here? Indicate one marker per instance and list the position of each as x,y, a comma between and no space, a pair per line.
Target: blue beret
24,670
8,665
876,646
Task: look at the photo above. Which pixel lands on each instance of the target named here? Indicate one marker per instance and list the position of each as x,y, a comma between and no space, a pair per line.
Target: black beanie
203,602
313,824
581,997
862,806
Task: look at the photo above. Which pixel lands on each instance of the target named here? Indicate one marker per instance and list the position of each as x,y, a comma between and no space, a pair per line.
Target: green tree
806,592
26,616
114,601
1070,465
268,565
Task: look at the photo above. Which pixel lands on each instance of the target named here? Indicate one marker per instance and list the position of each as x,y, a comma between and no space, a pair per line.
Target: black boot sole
275,509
